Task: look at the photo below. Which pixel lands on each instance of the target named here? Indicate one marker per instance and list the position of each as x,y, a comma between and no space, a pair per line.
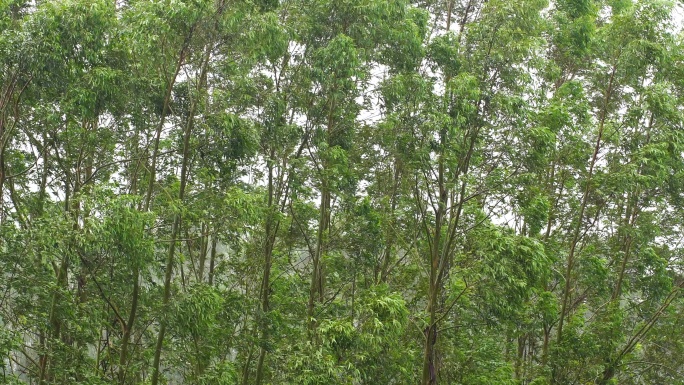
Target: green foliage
341,192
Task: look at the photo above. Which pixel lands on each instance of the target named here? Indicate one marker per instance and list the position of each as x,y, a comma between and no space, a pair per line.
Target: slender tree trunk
170,260
316,287
175,231
160,126
583,206
577,231
434,289
266,279
202,258
54,323
436,258
128,328
387,257
245,368
545,345
2,175
212,260
520,357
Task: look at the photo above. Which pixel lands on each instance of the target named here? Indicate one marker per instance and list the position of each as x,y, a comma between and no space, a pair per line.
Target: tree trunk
266,280
170,259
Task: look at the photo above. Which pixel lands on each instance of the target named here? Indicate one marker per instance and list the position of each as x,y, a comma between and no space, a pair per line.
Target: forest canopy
315,192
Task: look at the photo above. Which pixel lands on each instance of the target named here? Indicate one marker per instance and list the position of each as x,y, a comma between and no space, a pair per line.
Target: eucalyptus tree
199,32
459,146
577,98
648,148
329,65
74,71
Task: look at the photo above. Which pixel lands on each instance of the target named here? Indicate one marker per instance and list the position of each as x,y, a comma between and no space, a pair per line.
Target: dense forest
351,192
